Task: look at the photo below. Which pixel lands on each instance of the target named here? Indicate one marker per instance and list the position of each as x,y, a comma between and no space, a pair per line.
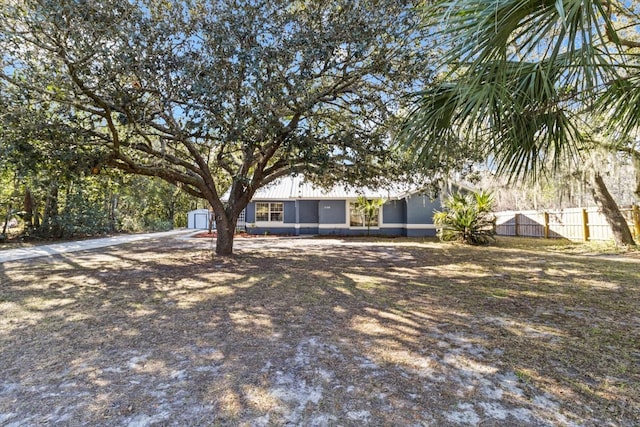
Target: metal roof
296,188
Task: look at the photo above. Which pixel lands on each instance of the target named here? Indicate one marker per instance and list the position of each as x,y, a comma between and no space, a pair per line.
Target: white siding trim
269,224
410,226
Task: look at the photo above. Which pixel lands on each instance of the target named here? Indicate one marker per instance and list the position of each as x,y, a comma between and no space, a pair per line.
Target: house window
270,211
361,218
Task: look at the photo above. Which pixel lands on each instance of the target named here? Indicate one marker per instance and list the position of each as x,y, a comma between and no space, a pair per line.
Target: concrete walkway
81,245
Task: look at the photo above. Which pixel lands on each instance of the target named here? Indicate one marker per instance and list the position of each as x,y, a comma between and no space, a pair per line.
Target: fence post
585,225
546,225
636,220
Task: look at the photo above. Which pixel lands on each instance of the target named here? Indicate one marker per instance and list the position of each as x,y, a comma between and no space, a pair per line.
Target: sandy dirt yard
320,332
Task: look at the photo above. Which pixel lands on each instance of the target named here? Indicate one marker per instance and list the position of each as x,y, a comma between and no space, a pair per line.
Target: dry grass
322,332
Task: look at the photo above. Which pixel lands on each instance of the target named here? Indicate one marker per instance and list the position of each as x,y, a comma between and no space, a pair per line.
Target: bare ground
321,332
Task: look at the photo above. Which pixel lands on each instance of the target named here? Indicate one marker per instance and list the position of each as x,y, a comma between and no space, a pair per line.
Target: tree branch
611,33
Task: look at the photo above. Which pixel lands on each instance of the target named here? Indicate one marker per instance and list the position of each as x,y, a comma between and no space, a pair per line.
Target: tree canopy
210,94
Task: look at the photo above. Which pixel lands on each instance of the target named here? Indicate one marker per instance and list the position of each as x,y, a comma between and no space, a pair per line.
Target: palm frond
466,218
517,75
620,103
514,111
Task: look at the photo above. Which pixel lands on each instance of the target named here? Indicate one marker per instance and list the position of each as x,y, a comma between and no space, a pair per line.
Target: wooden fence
573,224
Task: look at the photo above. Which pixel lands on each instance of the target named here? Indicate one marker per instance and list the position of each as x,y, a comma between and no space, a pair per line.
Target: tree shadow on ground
318,333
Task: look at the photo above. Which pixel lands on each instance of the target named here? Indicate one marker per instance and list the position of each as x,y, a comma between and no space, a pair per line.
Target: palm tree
524,81
369,209
467,218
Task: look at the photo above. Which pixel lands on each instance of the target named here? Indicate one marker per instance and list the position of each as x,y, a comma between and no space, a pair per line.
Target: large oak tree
210,95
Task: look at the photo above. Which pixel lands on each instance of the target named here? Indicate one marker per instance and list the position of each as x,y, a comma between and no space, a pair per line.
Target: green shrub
180,220
156,224
129,224
81,216
467,218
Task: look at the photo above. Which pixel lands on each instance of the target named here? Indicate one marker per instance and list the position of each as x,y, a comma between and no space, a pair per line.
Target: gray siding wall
289,212
421,233
416,209
332,212
250,212
307,230
394,212
308,212
420,209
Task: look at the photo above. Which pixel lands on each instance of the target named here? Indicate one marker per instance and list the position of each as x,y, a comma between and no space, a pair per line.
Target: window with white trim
270,211
358,217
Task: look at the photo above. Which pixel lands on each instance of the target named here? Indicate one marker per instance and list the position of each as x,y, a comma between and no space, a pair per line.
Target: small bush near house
467,218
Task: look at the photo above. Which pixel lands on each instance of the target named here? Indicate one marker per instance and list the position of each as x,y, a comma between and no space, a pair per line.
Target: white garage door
201,220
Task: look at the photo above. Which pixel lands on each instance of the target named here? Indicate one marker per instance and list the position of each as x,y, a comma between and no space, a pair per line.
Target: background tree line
51,187
38,205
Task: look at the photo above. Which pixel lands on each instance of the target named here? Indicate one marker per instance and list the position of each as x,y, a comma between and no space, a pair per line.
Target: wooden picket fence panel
574,224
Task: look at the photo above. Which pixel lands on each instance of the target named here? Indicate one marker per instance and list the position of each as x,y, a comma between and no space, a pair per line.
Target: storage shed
199,219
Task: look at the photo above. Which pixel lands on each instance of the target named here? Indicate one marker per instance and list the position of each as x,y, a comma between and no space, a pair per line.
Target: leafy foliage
527,82
467,218
369,209
208,95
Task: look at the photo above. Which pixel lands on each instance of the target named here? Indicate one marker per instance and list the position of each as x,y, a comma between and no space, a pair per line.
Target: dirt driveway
318,332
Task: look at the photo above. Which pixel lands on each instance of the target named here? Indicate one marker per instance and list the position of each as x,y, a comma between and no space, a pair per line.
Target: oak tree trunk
621,232
225,228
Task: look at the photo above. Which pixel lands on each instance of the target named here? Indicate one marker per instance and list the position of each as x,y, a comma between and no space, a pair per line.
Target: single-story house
293,206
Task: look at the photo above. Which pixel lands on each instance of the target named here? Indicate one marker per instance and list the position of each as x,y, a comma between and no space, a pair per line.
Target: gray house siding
420,212
289,212
387,231
287,227
332,212
307,230
361,232
307,217
285,231
421,233
394,212
250,212
308,212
